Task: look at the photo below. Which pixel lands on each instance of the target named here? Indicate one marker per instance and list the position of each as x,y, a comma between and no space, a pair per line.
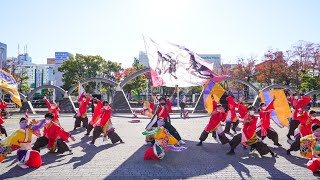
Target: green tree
82,67
138,84
310,82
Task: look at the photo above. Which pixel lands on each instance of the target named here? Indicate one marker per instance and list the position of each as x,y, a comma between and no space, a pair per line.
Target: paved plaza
125,161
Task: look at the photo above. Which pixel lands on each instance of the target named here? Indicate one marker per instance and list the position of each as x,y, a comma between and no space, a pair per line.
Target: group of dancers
53,136
163,136
303,126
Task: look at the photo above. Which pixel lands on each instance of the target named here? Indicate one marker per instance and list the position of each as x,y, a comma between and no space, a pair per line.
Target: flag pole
178,97
198,100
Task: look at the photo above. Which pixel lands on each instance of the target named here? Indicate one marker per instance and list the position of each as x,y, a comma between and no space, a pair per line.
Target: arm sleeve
224,116
242,110
47,103
214,105
306,100
270,106
87,101
64,135
38,126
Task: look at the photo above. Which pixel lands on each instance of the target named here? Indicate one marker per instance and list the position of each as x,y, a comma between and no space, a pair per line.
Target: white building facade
38,74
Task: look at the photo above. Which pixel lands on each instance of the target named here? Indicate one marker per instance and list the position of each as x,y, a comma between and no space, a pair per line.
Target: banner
211,89
172,64
81,91
9,85
282,110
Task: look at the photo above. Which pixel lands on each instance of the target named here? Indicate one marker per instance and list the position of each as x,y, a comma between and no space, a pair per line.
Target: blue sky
113,29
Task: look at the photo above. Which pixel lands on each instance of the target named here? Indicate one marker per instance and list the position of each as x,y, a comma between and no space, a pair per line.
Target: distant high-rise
24,59
143,59
3,53
60,57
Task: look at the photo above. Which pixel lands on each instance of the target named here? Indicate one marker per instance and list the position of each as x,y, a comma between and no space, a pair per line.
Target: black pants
228,126
89,128
43,141
112,135
78,121
222,137
96,133
295,146
182,113
292,126
271,135
262,148
171,129
3,130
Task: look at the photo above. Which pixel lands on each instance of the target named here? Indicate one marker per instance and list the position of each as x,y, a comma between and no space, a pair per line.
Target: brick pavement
125,161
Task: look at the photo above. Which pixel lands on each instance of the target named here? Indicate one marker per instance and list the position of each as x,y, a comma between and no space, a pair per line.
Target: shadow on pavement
196,161
90,152
16,171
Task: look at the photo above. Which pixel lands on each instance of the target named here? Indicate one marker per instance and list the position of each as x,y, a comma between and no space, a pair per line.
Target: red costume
215,119
3,105
53,132
297,104
1,119
306,123
105,116
83,104
265,116
54,109
250,126
242,110
162,112
232,108
96,112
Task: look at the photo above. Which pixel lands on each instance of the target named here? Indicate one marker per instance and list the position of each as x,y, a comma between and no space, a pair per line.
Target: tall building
215,59
143,58
38,74
60,57
3,53
24,59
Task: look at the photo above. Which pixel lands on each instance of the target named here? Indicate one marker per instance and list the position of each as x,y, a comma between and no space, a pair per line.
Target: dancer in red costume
53,136
104,125
96,115
2,129
54,109
264,129
248,136
296,104
82,112
310,148
214,126
232,118
304,129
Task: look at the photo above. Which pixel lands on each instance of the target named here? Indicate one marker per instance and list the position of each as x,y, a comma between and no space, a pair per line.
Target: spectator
182,106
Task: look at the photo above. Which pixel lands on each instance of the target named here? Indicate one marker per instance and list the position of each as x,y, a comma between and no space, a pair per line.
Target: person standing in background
182,106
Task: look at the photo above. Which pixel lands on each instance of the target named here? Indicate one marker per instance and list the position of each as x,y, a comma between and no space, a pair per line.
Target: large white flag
171,65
